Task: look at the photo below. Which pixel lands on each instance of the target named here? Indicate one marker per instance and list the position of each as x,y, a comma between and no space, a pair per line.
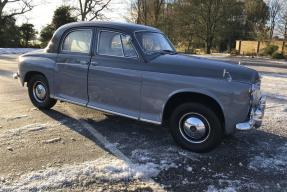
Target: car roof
127,27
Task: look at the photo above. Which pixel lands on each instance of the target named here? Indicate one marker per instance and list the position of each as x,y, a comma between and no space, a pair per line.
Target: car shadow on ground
239,161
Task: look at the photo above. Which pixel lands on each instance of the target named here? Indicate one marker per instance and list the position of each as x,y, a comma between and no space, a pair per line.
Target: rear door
114,81
72,66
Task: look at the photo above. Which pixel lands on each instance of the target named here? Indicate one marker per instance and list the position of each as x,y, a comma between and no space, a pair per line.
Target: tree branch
92,8
25,6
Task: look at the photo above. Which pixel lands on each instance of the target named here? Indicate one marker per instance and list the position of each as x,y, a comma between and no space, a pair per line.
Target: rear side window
78,41
115,44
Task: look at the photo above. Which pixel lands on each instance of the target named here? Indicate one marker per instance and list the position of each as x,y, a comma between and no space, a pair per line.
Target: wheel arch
190,96
29,75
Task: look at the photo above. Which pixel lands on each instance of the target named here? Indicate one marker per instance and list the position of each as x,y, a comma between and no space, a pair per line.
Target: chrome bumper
16,75
256,116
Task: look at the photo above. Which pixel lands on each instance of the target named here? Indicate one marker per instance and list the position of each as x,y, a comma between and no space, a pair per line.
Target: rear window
78,41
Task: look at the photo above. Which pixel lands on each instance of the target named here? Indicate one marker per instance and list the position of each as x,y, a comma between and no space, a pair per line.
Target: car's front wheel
39,92
196,127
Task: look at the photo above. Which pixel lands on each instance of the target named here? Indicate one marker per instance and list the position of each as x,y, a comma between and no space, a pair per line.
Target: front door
72,66
114,83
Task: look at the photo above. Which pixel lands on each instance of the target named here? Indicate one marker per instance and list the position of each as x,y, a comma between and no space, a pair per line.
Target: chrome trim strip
112,112
68,100
122,45
84,66
150,121
107,111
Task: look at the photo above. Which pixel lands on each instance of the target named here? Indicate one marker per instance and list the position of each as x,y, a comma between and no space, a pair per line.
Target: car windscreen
152,42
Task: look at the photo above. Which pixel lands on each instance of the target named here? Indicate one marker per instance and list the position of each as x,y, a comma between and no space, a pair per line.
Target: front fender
232,98
37,64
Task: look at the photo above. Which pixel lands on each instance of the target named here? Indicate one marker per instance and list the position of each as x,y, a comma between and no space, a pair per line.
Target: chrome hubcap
194,127
39,92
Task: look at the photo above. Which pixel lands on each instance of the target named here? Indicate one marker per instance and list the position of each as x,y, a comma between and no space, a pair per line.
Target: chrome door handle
84,62
94,63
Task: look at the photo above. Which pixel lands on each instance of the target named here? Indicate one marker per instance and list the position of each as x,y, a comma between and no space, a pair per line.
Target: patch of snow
190,155
103,169
274,86
15,50
189,169
226,185
141,155
145,157
212,188
219,55
275,162
276,96
28,128
274,113
274,75
17,117
54,140
220,175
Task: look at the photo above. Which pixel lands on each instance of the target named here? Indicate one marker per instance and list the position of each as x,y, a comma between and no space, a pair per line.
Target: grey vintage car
134,71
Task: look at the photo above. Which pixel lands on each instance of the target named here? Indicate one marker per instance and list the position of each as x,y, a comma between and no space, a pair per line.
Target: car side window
128,47
115,44
78,41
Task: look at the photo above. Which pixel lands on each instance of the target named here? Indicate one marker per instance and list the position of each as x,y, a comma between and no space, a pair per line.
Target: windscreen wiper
168,52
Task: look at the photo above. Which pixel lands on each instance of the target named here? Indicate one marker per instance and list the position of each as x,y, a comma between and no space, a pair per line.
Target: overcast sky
42,14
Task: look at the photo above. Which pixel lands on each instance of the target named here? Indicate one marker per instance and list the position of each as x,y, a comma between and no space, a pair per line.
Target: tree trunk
208,44
271,32
208,48
285,37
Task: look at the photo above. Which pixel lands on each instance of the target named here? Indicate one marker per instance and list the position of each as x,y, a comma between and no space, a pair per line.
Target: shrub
277,55
270,49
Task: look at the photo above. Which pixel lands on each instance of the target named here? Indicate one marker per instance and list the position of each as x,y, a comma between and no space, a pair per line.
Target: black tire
180,124
44,103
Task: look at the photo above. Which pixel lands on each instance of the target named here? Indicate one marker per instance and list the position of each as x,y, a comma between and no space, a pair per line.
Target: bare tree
140,8
147,11
133,13
274,10
157,6
20,7
92,9
282,25
209,17
256,15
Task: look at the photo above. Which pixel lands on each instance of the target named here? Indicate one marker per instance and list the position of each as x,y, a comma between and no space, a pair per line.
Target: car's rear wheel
196,127
39,92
